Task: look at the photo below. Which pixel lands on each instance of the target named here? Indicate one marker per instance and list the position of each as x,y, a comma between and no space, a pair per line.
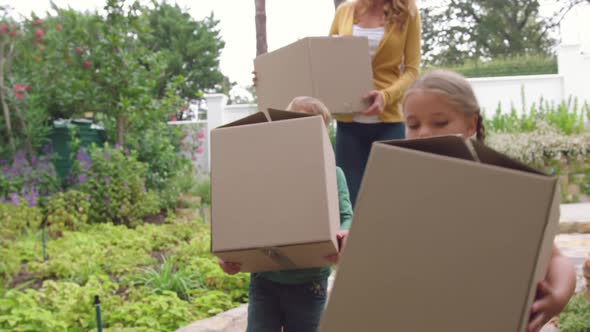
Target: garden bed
151,278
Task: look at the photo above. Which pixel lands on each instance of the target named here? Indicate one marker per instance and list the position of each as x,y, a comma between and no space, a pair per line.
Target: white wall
508,91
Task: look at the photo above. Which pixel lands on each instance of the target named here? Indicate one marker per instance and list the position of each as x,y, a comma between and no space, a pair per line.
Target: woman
393,30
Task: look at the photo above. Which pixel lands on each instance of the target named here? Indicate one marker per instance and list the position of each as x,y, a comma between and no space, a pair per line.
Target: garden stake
44,242
98,318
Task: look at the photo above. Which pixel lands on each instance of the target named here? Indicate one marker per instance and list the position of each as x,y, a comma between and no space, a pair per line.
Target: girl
393,30
294,300
443,103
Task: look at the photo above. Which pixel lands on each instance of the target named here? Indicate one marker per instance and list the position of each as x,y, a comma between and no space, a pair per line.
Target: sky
287,21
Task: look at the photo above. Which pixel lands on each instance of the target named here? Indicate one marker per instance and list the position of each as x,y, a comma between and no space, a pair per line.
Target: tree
188,46
338,2
261,46
457,30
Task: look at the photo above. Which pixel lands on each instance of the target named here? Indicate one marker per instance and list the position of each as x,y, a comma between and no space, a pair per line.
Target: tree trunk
3,96
121,123
338,2
261,46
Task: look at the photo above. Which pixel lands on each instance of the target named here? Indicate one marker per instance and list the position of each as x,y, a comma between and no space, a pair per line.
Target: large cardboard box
274,192
336,70
448,236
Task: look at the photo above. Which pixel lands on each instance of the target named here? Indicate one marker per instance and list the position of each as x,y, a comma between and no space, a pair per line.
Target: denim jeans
353,144
295,308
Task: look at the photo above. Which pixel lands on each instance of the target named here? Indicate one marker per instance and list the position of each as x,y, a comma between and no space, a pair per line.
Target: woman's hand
377,103
229,267
341,237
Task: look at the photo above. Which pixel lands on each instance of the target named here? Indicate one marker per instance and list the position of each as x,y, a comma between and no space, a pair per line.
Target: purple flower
46,149
34,161
2,199
107,180
81,178
117,146
14,199
84,159
3,162
32,200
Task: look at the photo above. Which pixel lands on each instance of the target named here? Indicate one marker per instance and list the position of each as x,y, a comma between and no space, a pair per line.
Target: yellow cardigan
396,47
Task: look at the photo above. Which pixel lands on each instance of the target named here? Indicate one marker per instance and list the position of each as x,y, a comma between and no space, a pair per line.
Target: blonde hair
396,11
310,105
455,88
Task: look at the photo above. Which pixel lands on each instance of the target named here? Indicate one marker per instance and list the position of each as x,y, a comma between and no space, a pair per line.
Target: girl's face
430,114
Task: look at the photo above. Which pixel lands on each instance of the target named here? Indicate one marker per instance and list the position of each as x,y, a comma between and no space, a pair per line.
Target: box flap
456,146
280,115
450,146
258,117
489,156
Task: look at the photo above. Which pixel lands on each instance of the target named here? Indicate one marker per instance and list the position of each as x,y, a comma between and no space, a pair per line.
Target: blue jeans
295,308
353,144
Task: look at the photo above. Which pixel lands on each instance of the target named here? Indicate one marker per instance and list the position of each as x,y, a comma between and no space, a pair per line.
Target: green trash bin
86,131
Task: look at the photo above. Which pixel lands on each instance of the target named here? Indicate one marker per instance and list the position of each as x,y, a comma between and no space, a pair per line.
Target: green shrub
115,183
566,116
67,211
17,220
513,66
170,277
576,315
203,189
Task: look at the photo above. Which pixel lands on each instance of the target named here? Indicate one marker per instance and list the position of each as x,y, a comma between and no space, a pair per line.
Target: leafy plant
576,315
26,179
169,276
67,211
17,220
507,66
115,183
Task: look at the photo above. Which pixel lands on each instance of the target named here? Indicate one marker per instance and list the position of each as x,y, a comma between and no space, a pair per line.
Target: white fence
572,80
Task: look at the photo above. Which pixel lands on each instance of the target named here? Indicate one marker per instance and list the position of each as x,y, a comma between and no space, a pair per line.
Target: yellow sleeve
336,21
412,57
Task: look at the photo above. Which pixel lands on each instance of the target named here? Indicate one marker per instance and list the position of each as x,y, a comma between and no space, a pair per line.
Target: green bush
115,182
567,116
576,315
18,219
108,260
67,211
513,66
170,277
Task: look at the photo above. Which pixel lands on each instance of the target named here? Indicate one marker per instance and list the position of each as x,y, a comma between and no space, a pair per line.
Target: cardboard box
274,192
449,236
336,70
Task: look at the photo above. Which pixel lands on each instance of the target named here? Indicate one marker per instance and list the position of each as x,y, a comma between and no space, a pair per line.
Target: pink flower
199,150
13,34
40,33
87,64
19,95
37,22
200,134
3,28
58,27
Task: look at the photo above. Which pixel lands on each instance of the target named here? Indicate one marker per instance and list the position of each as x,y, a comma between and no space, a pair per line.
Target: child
443,103
294,300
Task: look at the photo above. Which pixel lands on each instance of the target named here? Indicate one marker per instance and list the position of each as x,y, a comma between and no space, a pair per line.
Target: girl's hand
341,237
377,103
254,78
228,267
546,306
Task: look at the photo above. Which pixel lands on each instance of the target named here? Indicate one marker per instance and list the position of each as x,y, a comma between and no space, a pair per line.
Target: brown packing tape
278,257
